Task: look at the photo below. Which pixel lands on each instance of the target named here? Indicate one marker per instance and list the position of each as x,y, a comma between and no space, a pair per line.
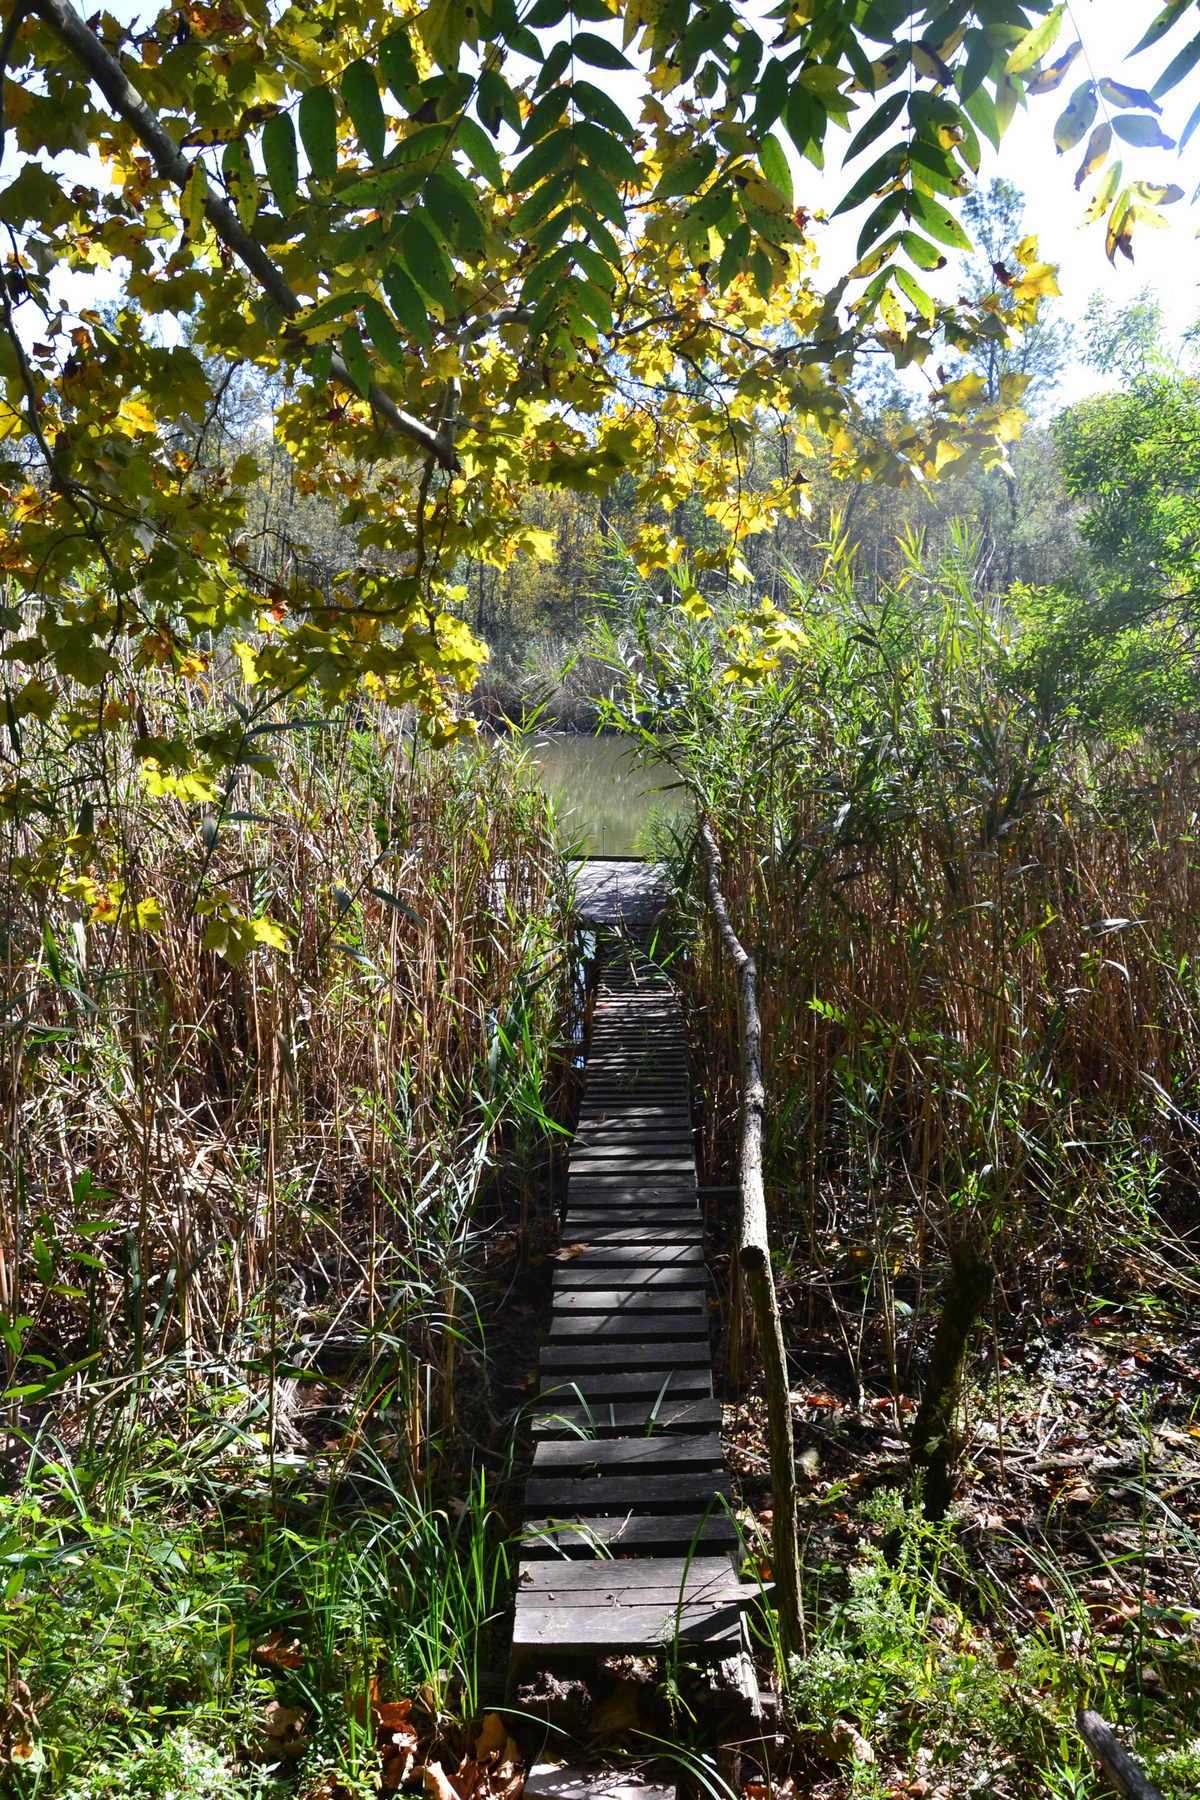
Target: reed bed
247,1206
974,925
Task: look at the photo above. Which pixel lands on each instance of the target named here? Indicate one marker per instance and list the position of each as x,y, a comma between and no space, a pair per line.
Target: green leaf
1054,76
881,220
1176,69
542,202
607,152
354,355
1161,24
923,253
396,64
318,131
282,162
426,263
1117,94
242,181
939,223
596,268
687,174
545,115
600,195
876,125
594,303
407,303
1073,124
334,306
1144,131
496,103
542,160
773,161
1186,134
360,91
83,660
1098,147
880,174
981,108
589,48
598,106
322,362
451,206
916,294
553,67
1034,45
480,152
600,235
771,96
384,336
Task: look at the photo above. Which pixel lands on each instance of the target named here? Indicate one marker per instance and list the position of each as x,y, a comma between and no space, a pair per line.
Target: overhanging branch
102,67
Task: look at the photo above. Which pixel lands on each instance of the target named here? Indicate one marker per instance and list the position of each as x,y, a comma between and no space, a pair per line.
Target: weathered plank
624,1493
649,1534
649,1296
649,1255
571,1631
628,1418
634,1455
629,1274
640,1328
584,1358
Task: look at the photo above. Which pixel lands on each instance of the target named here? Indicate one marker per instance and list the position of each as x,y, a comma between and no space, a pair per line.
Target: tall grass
247,1204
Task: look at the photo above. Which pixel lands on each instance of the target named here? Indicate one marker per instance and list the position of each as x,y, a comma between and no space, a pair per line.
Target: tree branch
102,67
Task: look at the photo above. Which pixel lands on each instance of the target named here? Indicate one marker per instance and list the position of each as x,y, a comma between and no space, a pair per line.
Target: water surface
605,797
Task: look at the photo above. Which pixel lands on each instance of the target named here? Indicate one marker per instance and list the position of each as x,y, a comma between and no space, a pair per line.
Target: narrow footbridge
629,1542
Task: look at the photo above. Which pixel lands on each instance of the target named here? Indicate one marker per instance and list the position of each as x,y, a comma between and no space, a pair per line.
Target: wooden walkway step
629,1541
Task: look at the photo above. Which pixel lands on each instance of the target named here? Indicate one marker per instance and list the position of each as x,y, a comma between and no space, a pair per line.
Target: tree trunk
754,1258
934,1448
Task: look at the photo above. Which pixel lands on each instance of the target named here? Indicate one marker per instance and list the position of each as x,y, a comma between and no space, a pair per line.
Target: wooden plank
633,1455
649,1255
632,1274
647,1535
562,1497
640,1232
603,1386
626,1302
588,1630
628,1328
628,1418
583,1358
566,1781
692,1573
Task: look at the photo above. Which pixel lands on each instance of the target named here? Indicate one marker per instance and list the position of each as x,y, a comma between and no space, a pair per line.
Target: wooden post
1113,1757
754,1260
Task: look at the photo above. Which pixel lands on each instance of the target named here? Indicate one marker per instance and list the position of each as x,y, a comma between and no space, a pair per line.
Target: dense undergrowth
973,908
249,1203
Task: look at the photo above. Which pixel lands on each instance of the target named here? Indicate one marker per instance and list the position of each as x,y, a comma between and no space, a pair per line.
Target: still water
605,797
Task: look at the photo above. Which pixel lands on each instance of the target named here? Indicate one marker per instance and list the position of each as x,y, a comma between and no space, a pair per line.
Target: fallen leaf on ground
493,1736
282,1650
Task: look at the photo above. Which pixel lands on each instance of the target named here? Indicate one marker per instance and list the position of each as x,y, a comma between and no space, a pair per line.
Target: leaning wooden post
754,1258
1113,1757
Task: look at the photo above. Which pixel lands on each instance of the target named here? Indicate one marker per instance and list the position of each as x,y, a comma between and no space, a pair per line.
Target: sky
1168,262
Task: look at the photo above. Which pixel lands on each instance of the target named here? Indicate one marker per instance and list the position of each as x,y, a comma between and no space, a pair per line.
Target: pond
605,797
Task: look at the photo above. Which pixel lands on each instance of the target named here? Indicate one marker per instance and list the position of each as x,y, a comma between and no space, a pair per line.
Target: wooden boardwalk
628,1541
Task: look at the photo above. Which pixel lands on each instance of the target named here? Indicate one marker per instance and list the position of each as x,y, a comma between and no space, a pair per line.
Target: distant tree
1126,341
995,217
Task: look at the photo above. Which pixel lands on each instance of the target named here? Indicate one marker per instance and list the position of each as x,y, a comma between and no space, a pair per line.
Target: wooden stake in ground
754,1258
933,1444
